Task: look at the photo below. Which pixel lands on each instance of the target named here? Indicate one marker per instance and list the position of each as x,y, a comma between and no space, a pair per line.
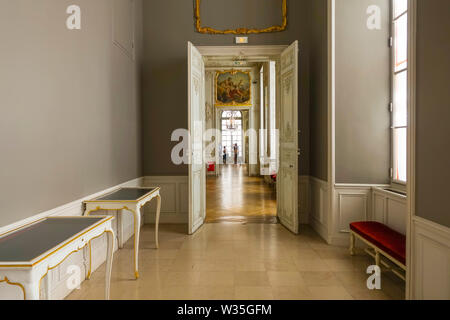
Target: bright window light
399,90
401,42
233,136
400,154
400,112
400,6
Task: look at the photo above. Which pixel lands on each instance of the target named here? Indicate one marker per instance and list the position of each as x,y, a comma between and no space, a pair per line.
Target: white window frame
241,146
395,183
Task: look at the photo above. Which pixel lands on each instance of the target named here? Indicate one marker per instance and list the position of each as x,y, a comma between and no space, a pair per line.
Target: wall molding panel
174,199
430,258
353,202
390,209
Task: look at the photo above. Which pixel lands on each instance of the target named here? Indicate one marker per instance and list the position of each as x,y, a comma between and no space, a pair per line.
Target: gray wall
362,94
433,111
318,89
168,25
69,104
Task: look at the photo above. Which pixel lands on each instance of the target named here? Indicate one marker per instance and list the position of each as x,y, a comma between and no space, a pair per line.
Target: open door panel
287,179
197,169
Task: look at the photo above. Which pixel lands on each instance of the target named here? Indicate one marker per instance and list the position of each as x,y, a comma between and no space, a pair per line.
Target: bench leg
377,259
352,243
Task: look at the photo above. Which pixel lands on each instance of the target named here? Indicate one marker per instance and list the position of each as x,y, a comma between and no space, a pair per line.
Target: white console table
28,253
131,199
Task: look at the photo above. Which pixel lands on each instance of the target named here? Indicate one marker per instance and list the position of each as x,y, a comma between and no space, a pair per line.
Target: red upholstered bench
382,239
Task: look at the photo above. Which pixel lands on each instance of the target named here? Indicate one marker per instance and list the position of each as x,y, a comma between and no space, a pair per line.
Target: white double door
287,179
197,168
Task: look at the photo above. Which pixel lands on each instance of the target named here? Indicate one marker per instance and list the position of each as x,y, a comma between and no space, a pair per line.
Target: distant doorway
203,65
232,137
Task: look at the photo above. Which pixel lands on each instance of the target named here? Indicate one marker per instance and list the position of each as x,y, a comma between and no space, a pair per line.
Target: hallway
234,196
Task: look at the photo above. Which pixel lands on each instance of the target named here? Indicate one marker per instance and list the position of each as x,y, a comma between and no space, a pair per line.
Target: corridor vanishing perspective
234,196
225,150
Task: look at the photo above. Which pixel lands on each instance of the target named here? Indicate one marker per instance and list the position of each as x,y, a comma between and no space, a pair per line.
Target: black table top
126,194
28,243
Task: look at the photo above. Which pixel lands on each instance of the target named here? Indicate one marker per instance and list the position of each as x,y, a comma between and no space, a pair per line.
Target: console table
131,199
28,253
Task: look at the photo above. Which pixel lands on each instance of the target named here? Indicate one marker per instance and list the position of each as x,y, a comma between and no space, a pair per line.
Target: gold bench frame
377,255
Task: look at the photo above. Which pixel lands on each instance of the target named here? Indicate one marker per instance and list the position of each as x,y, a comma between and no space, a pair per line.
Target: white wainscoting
390,209
58,276
352,203
358,202
174,199
431,260
318,209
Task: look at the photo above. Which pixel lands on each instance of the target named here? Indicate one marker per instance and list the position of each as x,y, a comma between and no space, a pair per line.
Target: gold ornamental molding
6,280
209,30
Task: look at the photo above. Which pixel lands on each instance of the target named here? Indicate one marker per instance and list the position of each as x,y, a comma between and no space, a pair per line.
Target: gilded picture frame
210,30
233,88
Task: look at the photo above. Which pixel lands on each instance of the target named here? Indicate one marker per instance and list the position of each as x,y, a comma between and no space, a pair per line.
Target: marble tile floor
226,261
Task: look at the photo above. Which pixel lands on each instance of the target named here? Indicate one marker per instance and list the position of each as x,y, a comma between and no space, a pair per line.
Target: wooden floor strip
236,197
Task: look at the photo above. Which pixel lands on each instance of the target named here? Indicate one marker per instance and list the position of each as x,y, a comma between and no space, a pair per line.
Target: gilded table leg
48,295
137,230
120,228
377,258
88,276
158,213
109,261
352,244
32,291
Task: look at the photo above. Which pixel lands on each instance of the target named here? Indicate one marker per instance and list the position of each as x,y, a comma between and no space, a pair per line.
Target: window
399,89
232,133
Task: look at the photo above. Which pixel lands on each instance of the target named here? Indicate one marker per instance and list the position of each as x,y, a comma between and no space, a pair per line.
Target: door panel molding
287,188
196,112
